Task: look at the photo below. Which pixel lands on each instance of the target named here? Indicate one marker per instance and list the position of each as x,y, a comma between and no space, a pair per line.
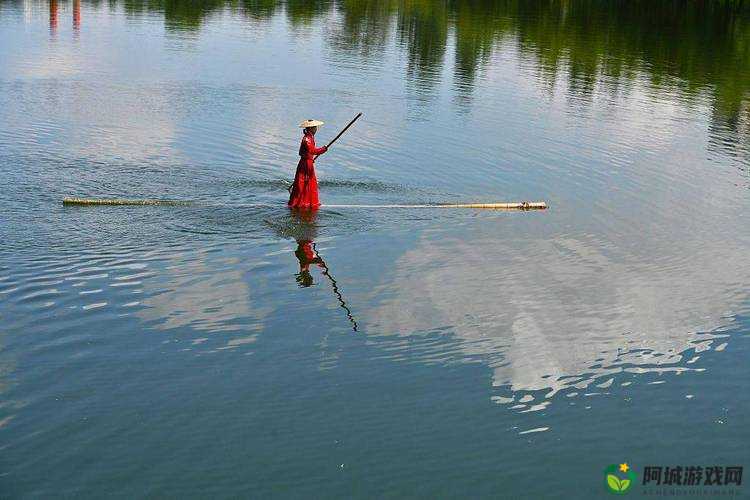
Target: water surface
235,348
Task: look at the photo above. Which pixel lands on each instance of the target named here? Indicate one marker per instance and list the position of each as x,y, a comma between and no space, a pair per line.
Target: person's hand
325,148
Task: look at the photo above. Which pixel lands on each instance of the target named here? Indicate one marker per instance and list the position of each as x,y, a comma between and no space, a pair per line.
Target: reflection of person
306,256
305,188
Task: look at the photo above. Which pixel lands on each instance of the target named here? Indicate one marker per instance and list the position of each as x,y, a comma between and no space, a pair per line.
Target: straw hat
310,123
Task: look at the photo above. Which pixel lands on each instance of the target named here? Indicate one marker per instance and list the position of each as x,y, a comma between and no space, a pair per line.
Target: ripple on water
619,289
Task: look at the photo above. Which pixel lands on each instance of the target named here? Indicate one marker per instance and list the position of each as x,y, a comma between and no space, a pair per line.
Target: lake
232,348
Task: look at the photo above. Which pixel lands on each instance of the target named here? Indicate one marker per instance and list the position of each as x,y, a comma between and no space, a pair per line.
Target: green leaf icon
624,484
613,482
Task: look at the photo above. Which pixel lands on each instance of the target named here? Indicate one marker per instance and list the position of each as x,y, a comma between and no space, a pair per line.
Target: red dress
305,187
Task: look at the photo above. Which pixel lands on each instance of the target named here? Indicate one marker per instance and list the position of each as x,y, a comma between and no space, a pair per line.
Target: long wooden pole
520,205
123,201
345,129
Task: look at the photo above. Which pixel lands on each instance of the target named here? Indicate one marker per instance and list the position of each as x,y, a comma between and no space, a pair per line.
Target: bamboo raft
523,205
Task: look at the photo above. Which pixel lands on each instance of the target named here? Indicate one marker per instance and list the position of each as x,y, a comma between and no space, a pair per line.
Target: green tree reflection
700,49
304,12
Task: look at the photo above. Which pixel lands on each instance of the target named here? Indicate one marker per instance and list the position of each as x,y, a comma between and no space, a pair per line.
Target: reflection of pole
76,14
335,287
52,15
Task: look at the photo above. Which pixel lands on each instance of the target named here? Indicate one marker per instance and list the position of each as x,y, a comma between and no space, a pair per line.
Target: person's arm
309,145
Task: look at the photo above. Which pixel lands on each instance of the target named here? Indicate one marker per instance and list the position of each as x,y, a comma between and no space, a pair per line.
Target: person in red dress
304,191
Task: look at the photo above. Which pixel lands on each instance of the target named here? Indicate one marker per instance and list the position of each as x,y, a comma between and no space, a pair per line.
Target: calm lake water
235,349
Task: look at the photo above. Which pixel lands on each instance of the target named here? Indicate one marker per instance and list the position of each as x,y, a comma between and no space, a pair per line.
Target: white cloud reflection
550,314
205,294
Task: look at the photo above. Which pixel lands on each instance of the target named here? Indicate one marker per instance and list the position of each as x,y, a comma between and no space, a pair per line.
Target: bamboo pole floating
121,201
523,205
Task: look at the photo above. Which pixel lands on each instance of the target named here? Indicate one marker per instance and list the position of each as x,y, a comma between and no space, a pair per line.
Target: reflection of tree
365,26
303,12
178,14
259,9
479,26
423,30
693,47
700,49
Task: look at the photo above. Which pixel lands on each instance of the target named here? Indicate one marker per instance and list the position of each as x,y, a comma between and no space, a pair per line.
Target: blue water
189,351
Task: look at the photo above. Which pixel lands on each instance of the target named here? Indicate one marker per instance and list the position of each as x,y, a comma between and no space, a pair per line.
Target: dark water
236,350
